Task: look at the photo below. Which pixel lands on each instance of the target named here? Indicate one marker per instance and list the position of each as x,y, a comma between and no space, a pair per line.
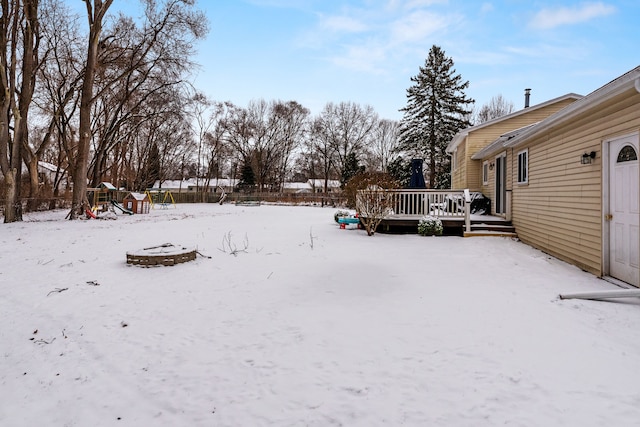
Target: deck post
467,211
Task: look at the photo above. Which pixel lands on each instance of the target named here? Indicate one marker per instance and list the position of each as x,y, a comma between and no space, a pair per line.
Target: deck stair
491,227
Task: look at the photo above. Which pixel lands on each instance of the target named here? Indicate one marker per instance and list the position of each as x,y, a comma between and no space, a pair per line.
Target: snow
304,324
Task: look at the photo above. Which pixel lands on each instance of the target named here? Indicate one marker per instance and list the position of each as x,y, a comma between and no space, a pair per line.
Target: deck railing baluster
417,203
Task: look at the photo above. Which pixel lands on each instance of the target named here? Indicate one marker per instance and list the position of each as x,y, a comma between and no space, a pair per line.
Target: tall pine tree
436,110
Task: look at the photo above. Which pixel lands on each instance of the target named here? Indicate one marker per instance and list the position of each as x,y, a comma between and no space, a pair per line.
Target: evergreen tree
151,172
247,177
351,168
436,110
400,170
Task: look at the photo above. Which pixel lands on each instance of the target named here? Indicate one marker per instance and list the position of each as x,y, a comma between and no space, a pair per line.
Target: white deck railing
418,203
438,203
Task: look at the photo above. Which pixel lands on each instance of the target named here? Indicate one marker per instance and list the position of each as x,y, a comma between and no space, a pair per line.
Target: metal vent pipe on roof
527,95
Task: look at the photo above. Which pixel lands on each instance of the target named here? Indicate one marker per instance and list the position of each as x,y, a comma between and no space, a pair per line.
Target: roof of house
615,87
498,144
47,166
297,185
137,196
319,183
191,183
107,185
173,184
460,136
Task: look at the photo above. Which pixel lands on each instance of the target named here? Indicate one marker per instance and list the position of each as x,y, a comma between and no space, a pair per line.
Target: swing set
161,197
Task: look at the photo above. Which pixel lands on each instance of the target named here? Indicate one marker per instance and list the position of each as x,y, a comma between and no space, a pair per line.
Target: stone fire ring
166,254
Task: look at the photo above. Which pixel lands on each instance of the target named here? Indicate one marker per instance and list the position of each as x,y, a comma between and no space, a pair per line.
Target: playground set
104,198
160,197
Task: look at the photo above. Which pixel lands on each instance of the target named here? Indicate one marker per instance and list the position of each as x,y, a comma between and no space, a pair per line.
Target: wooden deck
481,225
452,207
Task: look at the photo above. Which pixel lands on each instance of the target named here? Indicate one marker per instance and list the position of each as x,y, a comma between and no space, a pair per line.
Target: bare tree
321,150
56,98
348,128
495,108
384,144
96,11
140,63
19,27
216,150
290,119
264,135
137,62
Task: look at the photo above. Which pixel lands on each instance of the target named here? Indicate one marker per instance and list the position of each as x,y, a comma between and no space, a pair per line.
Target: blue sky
365,51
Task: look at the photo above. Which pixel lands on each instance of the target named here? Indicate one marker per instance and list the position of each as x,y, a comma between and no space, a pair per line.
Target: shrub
367,191
430,226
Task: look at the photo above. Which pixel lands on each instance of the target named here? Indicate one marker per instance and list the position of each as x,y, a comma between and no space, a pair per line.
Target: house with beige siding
467,173
570,182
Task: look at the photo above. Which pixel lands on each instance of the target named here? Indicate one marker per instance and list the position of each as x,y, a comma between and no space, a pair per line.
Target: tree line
106,97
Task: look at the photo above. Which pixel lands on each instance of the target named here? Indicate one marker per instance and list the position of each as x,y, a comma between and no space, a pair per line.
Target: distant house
317,185
215,185
296,187
48,173
192,185
228,185
570,182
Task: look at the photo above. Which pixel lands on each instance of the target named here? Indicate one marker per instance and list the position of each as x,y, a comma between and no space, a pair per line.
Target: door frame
606,200
500,177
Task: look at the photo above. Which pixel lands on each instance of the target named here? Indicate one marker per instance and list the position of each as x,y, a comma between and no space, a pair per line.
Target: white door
624,212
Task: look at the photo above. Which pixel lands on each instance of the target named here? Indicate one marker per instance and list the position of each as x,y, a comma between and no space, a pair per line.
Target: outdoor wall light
587,158
491,165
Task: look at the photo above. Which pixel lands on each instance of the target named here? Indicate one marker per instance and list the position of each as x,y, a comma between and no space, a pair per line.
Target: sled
343,221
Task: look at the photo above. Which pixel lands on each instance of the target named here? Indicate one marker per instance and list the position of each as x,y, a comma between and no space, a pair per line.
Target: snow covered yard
309,325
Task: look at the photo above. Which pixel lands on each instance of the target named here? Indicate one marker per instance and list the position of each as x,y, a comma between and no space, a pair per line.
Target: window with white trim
523,166
485,172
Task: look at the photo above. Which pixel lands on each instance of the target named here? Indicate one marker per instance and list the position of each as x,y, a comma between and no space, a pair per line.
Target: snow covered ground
310,325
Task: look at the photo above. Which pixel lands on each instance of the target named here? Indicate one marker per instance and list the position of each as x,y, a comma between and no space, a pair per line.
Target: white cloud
362,58
486,7
342,24
551,18
549,52
364,39
415,4
416,26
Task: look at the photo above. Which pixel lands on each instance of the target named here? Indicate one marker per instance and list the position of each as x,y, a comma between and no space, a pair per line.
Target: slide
122,208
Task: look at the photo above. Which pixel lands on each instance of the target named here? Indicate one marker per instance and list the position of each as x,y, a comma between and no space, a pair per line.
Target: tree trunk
34,184
79,200
12,207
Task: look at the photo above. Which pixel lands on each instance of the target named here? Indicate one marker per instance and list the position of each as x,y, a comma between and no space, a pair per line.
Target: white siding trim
523,166
485,172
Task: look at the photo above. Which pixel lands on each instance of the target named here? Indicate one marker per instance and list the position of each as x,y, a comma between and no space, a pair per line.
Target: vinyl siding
458,176
560,209
469,174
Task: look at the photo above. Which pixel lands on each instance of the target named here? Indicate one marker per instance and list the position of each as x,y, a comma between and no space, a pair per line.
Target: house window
485,172
523,166
627,154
